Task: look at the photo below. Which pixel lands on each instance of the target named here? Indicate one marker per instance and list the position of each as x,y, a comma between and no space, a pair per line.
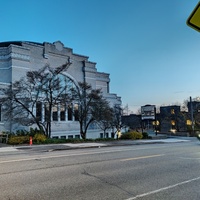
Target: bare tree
18,103
104,116
20,99
88,101
138,111
117,113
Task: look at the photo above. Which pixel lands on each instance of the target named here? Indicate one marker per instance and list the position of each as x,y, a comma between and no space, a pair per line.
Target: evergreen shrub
145,135
39,138
13,140
132,135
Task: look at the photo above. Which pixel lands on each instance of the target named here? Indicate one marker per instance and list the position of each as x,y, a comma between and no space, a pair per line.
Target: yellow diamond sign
194,19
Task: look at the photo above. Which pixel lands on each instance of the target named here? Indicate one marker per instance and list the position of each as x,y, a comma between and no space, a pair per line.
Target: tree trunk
104,133
83,135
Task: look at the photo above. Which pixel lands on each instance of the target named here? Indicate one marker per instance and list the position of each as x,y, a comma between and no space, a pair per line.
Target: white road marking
85,145
75,154
163,189
101,151
142,157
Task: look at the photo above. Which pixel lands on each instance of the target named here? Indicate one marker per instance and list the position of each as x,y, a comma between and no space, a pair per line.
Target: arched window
66,108
66,83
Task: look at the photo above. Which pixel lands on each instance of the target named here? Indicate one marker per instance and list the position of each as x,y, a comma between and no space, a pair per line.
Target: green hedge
133,135
18,140
15,139
42,139
145,135
39,138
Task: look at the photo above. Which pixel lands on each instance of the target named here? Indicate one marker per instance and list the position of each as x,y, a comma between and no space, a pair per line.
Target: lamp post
192,117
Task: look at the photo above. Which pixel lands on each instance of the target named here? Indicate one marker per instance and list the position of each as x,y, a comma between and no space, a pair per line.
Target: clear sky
152,56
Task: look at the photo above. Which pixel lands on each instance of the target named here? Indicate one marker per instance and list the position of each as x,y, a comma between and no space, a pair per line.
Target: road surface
142,172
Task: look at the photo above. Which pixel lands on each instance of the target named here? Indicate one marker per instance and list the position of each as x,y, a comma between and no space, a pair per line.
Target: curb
71,146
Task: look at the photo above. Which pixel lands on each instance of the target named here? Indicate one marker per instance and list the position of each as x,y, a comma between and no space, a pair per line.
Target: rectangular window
172,111
55,137
47,113
70,136
108,89
62,112
63,137
173,123
55,113
76,117
69,112
0,112
39,111
77,136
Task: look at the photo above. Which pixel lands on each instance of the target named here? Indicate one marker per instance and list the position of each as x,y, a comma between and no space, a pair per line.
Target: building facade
170,119
19,57
193,106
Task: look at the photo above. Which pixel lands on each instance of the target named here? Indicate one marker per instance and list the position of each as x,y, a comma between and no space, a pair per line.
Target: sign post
194,19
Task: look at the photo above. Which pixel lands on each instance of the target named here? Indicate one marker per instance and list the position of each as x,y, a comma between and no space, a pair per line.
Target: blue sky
152,56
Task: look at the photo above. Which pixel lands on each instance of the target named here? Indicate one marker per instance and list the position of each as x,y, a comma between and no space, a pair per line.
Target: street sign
194,19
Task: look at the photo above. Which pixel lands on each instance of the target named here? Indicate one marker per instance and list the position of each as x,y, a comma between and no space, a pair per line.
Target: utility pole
192,117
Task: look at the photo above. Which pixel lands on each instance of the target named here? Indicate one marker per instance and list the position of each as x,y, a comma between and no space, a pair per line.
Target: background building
170,118
18,57
148,116
132,122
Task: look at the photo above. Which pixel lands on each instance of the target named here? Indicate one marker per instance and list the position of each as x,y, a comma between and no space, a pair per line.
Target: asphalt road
142,172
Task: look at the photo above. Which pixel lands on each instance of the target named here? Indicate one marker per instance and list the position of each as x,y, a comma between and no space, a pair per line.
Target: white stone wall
16,58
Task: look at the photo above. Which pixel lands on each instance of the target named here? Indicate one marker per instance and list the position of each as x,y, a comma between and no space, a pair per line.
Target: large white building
18,57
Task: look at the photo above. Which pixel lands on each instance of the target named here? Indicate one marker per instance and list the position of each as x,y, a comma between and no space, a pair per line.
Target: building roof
18,43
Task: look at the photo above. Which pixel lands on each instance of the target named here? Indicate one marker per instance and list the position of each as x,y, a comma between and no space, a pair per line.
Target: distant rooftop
19,43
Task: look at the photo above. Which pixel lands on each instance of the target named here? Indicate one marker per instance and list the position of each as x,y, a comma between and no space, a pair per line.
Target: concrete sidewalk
68,146
8,149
